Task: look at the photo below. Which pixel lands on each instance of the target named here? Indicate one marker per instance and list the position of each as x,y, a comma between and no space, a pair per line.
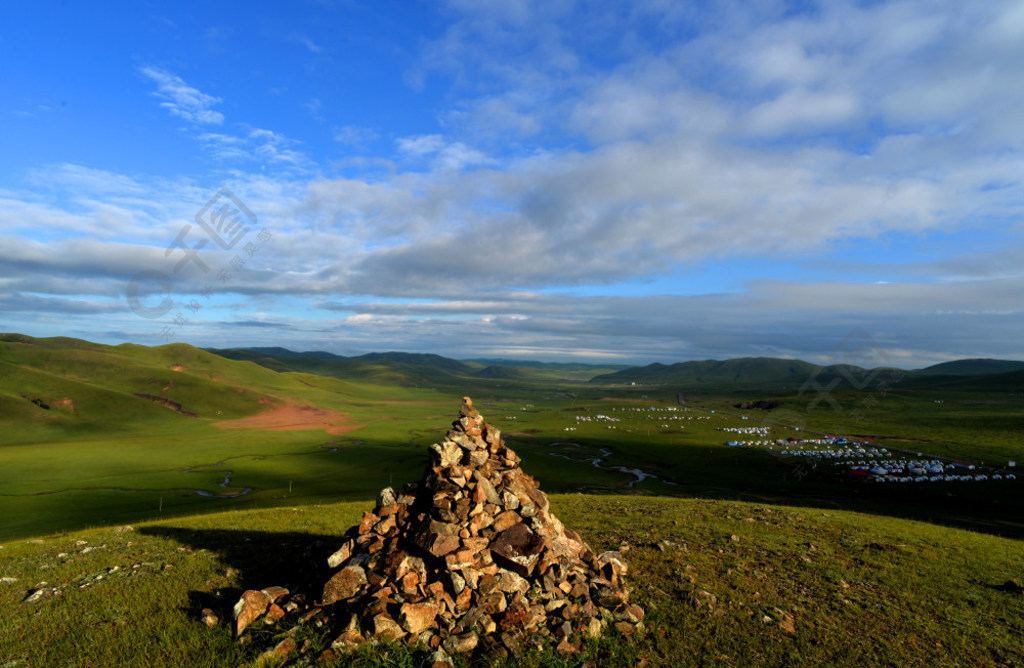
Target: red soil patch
291,417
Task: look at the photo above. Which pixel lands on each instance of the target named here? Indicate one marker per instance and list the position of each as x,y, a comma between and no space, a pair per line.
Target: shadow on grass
711,472
291,559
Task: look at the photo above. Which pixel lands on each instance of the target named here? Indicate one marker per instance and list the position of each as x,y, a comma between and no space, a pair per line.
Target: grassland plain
99,454
723,582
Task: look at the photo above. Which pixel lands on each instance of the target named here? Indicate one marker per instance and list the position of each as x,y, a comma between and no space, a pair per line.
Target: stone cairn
469,559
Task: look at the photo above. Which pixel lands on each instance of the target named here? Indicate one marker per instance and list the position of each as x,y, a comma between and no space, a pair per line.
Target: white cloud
183,100
420,145
803,111
447,156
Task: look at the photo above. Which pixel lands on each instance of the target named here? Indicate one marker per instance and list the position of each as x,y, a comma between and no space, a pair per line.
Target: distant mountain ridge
972,367
745,372
414,369
790,374
430,370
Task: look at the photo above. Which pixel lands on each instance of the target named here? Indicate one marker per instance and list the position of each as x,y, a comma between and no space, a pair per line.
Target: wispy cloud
183,100
444,155
255,145
305,41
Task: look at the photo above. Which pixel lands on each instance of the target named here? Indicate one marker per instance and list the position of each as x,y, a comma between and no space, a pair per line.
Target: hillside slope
68,387
91,434
723,583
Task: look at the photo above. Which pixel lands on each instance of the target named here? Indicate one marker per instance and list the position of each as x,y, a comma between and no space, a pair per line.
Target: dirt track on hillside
292,417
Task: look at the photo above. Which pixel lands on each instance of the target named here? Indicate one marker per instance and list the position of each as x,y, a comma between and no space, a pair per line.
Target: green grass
63,468
860,589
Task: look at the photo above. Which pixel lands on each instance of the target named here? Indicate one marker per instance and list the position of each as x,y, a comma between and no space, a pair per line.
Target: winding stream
598,462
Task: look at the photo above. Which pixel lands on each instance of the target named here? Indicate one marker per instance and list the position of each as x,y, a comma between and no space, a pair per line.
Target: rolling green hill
412,369
971,367
67,386
745,372
91,433
398,369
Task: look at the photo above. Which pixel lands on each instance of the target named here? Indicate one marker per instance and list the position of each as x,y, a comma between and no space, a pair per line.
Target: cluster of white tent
888,468
929,470
751,444
856,450
760,431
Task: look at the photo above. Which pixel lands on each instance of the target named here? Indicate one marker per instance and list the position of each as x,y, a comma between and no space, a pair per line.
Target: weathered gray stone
457,582
385,498
510,499
447,453
345,584
489,491
461,644
510,582
342,555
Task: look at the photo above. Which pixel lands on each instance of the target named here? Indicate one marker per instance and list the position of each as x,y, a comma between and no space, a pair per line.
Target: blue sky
618,182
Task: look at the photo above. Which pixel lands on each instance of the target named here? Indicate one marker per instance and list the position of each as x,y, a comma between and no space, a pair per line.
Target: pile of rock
469,559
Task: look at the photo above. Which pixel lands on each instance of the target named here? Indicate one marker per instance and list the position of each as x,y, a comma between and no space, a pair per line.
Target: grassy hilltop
723,583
